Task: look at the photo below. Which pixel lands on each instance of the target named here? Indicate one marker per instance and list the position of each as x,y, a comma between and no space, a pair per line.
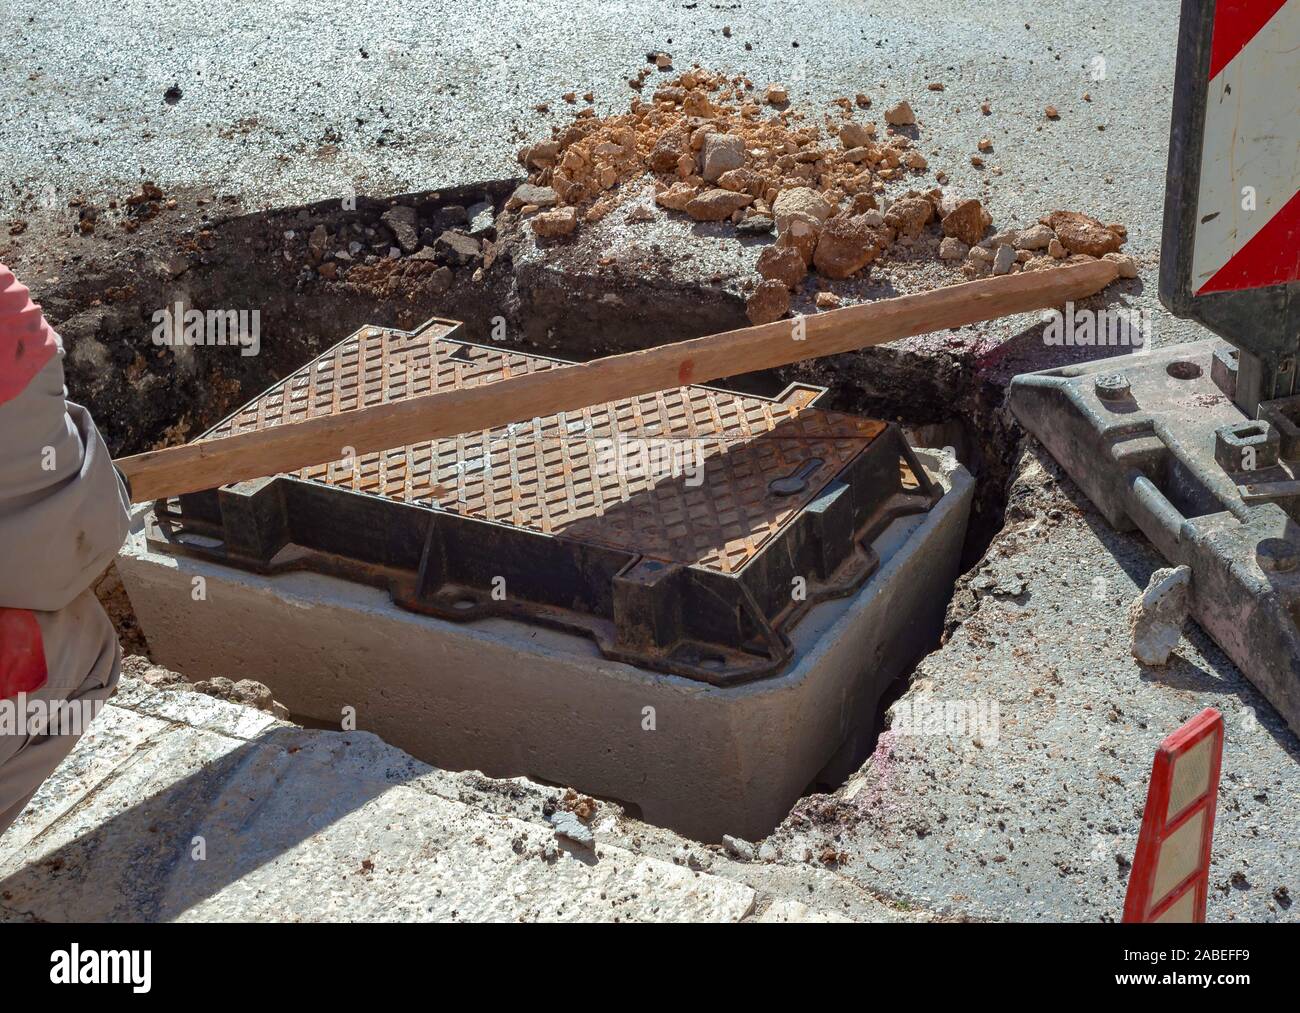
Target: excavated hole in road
144,395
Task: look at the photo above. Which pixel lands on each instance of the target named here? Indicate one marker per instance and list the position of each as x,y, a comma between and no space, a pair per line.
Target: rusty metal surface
560,475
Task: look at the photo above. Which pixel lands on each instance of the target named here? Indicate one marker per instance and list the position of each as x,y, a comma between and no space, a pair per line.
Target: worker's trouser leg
84,660
9,815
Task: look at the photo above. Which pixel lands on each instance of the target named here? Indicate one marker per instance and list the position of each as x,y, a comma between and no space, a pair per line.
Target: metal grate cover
552,475
686,568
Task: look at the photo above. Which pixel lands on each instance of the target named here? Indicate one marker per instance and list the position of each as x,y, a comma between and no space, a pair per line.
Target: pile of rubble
382,256
705,144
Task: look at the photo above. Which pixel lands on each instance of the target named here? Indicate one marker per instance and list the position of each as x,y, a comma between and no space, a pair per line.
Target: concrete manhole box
690,594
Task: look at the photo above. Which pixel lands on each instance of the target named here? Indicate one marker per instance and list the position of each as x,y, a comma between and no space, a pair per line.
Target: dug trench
571,299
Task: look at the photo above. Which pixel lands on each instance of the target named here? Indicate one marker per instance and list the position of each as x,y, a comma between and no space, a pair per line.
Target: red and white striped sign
1247,232
1171,868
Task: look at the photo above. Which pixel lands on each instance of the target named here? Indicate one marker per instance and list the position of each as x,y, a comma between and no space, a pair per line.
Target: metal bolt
1246,446
1112,387
1277,555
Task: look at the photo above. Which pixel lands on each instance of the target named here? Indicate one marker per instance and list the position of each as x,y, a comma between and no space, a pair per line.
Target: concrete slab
113,738
299,824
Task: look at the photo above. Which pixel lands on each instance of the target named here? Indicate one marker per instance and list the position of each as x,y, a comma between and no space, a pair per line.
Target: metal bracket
1168,456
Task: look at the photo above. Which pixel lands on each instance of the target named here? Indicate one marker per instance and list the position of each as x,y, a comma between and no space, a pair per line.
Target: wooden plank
158,474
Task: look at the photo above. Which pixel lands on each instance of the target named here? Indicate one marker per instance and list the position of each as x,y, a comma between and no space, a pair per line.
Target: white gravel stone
1003,259
1036,237
1157,615
952,248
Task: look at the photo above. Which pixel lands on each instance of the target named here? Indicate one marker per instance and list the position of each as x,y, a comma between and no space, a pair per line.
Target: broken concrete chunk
699,134
1157,615
965,222
1127,265
854,135
741,180
1003,258
952,248
668,150
846,245
458,248
482,219
449,216
402,221
568,825
1036,237
528,193
540,155
756,225
801,236
676,197
802,202
1007,237
441,279
909,215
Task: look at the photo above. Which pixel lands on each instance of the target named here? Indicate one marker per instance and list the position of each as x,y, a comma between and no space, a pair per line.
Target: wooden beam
171,471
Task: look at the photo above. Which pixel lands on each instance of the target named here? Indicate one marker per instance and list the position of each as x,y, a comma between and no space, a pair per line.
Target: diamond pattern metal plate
681,475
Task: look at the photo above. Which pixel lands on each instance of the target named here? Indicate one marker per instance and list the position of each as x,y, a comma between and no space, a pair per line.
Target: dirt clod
717,205
552,224
965,222
769,301
900,115
782,263
846,245
1080,233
